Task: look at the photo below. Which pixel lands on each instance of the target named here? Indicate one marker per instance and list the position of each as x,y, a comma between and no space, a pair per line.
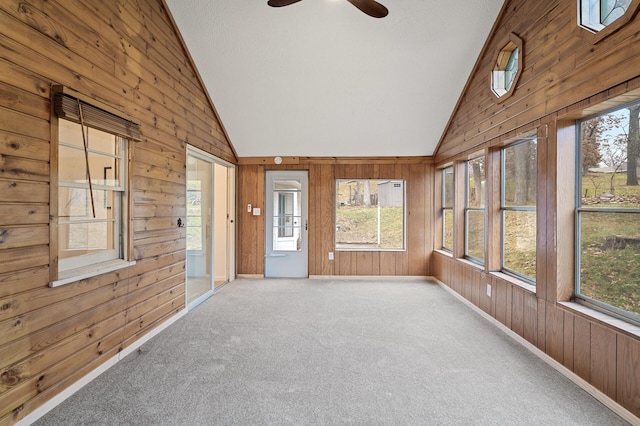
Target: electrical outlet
489,290
248,208
330,255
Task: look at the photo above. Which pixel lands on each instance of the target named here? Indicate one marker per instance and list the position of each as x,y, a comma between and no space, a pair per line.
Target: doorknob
306,225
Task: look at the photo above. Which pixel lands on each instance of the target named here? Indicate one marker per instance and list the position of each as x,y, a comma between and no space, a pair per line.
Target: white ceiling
321,78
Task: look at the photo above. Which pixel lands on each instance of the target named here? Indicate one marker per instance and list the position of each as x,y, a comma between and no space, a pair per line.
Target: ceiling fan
370,7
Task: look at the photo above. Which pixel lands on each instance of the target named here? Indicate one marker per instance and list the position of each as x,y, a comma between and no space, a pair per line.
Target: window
597,14
89,217
506,70
92,184
518,208
198,186
370,214
608,212
447,208
474,209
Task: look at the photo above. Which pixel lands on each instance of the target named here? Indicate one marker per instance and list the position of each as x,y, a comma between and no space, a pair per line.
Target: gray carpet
314,352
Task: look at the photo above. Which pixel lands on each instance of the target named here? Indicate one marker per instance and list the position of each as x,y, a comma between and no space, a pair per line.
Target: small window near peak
595,15
507,67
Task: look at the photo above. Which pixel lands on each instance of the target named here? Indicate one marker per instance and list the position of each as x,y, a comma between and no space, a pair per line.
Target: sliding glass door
209,219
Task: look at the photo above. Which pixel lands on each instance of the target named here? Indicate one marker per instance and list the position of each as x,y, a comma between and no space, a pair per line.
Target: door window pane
287,215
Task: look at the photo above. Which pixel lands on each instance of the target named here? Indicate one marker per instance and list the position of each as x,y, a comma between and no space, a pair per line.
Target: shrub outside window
608,212
370,214
447,208
518,207
474,211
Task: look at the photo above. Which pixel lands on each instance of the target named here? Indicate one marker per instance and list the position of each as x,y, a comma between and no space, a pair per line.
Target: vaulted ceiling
321,78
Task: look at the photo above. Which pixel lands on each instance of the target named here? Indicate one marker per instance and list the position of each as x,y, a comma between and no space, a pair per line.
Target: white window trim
89,271
96,260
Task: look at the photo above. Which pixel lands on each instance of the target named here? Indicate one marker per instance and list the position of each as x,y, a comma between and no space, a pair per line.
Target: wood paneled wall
128,55
565,76
561,67
607,358
418,174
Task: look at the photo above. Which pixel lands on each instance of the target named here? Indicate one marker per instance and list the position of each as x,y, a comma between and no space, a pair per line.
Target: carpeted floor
332,352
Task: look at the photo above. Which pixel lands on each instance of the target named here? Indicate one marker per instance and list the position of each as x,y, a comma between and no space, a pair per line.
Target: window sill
82,273
471,263
515,281
602,317
369,249
444,253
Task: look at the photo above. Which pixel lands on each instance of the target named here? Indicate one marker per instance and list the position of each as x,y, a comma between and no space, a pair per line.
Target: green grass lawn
610,275
359,226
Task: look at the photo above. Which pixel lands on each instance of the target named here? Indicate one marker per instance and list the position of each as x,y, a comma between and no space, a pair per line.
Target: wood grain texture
568,337
129,56
628,374
418,176
564,76
582,348
603,359
554,332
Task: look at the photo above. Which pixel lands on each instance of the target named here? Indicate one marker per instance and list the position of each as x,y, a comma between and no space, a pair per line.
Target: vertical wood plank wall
127,55
323,173
564,76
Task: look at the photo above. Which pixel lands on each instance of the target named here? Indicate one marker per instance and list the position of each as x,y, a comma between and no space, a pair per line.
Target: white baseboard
75,387
371,277
250,276
579,381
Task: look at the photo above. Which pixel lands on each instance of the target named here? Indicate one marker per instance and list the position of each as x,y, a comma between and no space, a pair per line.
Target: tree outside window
447,208
474,211
370,214
608,269
518,205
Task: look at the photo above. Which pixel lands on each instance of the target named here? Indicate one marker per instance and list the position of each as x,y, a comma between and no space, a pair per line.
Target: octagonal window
506,70
597,14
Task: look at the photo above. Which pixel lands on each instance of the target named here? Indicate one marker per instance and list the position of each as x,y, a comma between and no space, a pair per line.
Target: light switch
248,208
256,211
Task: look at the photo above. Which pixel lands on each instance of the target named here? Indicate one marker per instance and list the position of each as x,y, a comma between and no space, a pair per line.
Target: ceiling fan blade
370,7
280,3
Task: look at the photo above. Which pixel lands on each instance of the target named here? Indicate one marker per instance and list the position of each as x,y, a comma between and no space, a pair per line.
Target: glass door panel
199,226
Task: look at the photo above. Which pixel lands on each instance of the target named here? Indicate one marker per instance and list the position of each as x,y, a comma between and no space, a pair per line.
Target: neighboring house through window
370,214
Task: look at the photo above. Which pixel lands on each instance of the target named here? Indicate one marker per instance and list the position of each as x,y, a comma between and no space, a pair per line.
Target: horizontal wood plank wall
128,55
564,76
323,173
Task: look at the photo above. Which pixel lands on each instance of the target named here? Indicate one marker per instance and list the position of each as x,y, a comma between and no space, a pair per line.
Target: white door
286,227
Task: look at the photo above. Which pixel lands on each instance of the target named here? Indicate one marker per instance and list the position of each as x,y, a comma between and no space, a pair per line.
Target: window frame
119,192
501,60
468,209
404,217
444,207
598,35
590,302
102,117
504,208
